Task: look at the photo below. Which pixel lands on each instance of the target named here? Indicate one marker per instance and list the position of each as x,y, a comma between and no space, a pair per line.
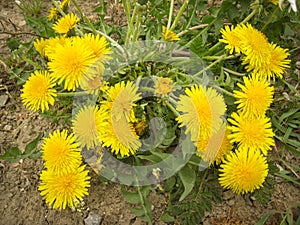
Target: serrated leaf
31,146
12,155
131,197
188,178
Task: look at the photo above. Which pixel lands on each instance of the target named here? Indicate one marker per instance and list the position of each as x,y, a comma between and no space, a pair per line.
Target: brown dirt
19,197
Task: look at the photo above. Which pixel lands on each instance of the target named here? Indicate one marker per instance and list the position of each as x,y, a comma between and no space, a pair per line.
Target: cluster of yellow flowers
64,180
246,169
78,62
265,59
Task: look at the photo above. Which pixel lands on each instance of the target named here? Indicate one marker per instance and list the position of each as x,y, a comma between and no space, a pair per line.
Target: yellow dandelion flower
86,126
65,24
254,133
40,46
64,4
38,91
274,66
202,111
98,44
243,171
169,35
64,189
255,96
60,152
163,86
214,148
53,43
70,62
254,45
118,134
53,14
122,97
231,37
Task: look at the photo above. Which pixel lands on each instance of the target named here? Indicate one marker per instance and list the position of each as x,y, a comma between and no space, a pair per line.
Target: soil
20,200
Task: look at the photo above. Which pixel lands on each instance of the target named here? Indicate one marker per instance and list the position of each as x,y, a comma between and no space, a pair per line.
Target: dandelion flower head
163,86
202,110
169,35
64,189
215,148
254,133
86,126
38,91
255,96
274,66
60,152
231,37
70,62
243,171
65,24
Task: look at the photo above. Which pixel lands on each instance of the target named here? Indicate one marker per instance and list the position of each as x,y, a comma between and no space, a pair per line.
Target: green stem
170,14
70,94
223,91
137,27
250,16
213,48
191,17
234,72
192,28
182,8
270,19
34,64
200,33
172,108
221,58
84,17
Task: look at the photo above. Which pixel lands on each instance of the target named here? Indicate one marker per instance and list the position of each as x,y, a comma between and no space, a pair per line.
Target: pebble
3,100
7,127
93,219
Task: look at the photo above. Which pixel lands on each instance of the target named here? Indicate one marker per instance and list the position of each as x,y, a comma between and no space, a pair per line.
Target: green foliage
189,208
142,204
14,154
31,7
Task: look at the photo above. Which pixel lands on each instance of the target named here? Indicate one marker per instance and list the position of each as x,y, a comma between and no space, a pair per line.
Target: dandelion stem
221,58
84,17
249,17
234,72
223,91
192,28
270,19
182,8
70,94
171,107
200,33
170,14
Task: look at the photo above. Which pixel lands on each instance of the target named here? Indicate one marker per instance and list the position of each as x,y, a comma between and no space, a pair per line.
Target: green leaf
265,217
287,114
131,197
188,178
12,155
30,147
167,218
138,211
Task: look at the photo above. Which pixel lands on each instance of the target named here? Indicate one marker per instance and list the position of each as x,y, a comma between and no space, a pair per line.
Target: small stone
7,127
3,100
93,219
